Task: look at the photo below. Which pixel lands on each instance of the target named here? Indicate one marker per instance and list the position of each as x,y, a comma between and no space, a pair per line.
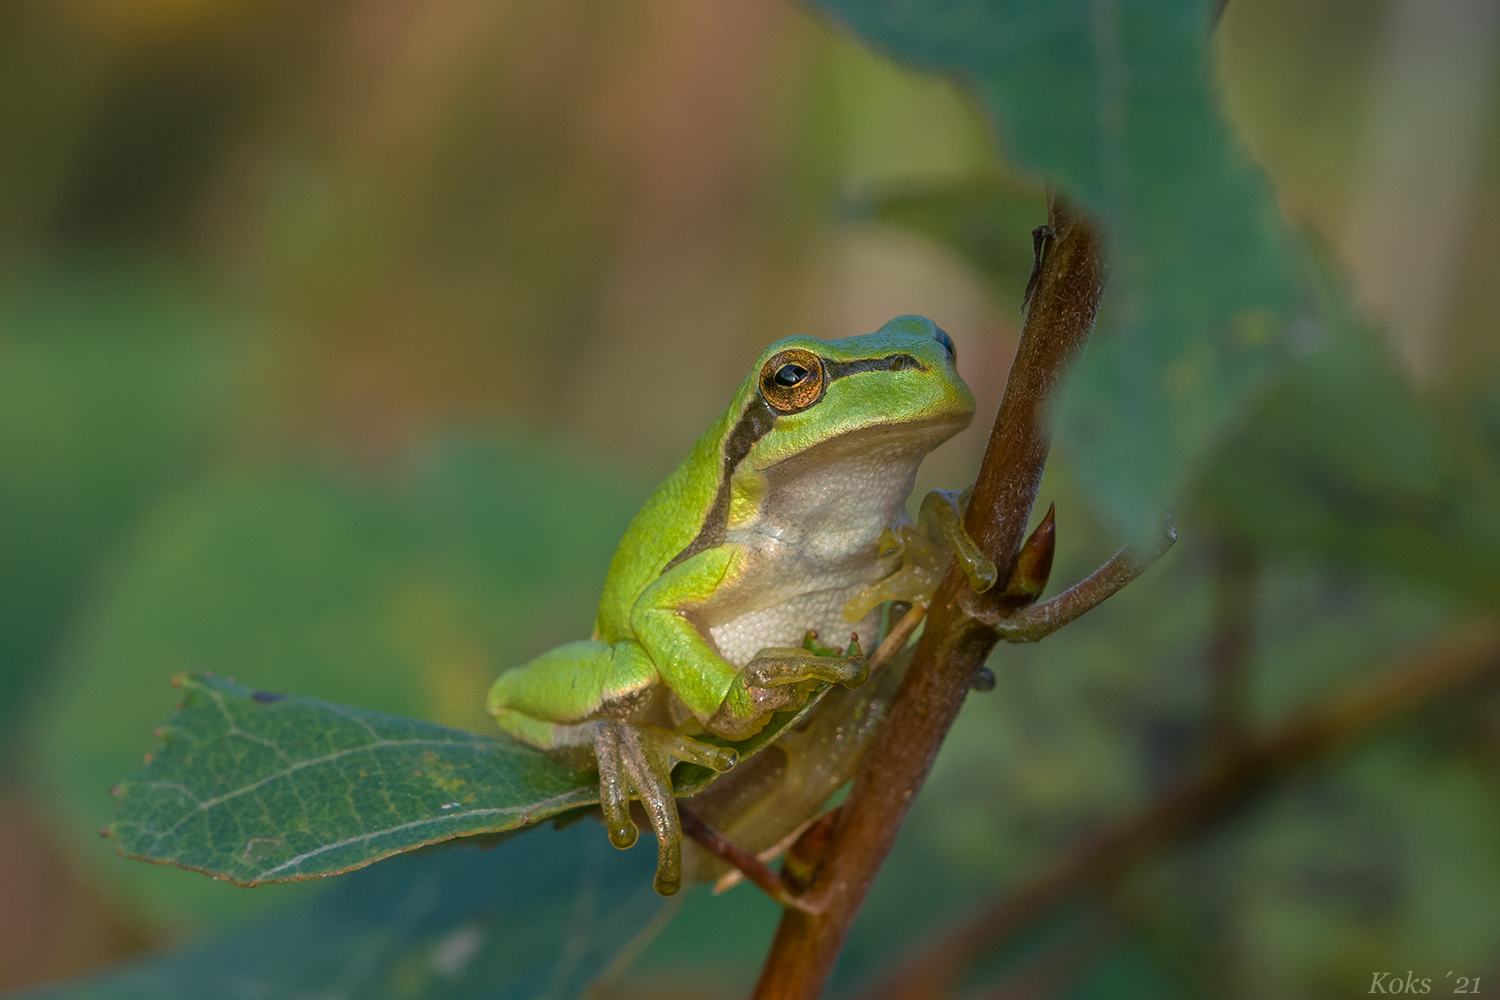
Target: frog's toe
638,760
614,785
902,585
943,511
684,748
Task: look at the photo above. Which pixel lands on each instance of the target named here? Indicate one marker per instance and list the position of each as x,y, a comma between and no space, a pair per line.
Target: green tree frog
788,517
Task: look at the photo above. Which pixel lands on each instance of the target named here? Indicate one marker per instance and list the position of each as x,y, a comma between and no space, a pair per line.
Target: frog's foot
926,548
637,760
781,678
943,513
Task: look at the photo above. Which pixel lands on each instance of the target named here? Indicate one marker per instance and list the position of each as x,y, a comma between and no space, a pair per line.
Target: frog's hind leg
591,699
545,701
638,759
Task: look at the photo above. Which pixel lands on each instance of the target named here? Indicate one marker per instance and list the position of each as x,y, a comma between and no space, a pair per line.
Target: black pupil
790,375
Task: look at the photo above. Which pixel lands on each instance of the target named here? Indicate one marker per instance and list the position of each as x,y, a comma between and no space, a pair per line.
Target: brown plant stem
1193,805
894,642
954,645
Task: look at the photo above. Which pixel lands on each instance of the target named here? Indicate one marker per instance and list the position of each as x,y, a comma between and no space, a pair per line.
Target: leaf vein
415,824
204,805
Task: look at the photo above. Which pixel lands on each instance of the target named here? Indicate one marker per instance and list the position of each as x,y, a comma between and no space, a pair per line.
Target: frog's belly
739,639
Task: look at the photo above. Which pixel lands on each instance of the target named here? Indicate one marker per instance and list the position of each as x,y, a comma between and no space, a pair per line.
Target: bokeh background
339,340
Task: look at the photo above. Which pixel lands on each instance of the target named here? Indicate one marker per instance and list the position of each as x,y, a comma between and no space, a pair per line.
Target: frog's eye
941,336
790,374
793,380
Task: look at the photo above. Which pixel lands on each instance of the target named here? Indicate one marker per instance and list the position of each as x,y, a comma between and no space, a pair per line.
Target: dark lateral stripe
889,363
752,426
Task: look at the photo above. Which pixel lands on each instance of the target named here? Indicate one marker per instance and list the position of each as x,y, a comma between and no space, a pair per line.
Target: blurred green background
332,343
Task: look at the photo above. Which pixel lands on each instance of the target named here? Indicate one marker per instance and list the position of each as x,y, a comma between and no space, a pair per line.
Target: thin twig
1041,620
1190,807
727,851
954,644
895,640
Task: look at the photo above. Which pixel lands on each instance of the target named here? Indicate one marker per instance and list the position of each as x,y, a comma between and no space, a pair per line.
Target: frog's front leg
925,549
782,678
665,621
593,699
731,702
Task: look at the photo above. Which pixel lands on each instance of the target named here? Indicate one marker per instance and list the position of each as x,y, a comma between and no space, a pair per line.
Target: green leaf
538,916
255,787
115,382
1344,462
405,592
1114,103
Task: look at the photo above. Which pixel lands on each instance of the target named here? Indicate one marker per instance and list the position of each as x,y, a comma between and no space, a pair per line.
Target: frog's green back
667,523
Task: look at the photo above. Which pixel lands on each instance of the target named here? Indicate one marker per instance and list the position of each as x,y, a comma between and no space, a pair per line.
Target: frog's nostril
941,336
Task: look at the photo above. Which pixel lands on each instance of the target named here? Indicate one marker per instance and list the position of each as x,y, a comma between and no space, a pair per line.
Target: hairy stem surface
1069,284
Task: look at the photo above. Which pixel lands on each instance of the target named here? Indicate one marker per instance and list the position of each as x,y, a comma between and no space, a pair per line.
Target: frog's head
898,383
